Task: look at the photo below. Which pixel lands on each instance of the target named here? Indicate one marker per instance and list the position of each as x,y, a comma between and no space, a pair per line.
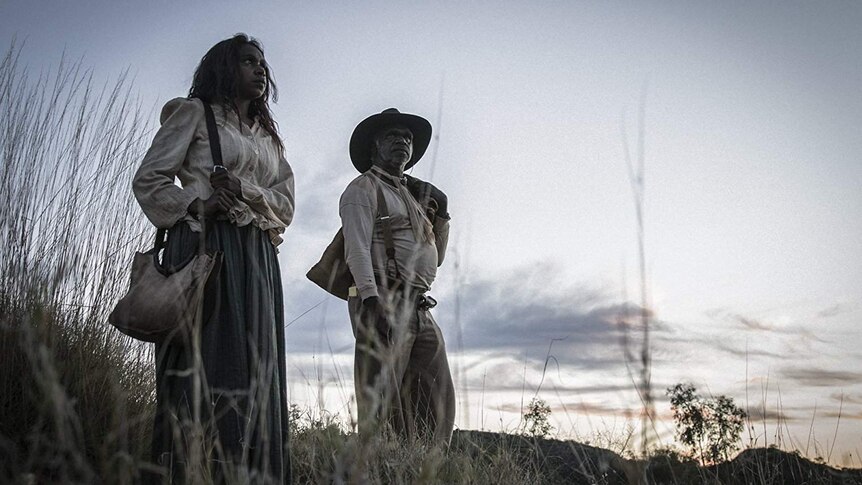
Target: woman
224,418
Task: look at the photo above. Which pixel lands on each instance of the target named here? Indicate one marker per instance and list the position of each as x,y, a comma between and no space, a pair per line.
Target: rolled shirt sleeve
357,210
441,238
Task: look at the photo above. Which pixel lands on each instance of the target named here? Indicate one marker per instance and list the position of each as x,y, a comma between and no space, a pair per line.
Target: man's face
394,146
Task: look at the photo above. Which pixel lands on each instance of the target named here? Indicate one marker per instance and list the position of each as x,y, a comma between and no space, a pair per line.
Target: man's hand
375,312
222,179
218,203
424,192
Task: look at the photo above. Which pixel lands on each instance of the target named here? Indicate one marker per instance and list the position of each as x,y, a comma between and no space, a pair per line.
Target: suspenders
393,274
392,271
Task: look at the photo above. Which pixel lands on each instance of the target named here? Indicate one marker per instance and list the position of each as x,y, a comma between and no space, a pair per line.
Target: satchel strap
212,132
386,223
161,235
215,150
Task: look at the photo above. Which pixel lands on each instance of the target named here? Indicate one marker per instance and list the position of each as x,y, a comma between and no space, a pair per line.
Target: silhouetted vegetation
536,422
77,397
709,427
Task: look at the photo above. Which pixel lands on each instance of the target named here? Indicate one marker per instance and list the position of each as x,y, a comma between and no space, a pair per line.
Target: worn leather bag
331,272
163,300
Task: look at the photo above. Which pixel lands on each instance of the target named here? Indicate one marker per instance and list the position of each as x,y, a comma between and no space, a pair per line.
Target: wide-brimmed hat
363,136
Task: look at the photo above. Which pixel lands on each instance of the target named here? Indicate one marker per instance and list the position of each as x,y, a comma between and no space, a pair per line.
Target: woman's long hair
216,81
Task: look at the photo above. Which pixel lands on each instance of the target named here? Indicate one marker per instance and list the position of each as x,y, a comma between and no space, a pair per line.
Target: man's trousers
400,369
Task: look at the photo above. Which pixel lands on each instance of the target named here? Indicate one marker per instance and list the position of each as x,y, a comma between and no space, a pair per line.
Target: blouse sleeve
163,202
275,202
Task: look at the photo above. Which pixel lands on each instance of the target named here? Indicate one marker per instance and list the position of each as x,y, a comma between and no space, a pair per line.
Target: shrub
709,427
536,419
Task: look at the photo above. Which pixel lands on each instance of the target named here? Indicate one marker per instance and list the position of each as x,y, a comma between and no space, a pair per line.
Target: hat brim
363,136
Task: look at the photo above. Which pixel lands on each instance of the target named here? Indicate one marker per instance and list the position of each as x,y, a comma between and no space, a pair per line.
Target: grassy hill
500,458
77,398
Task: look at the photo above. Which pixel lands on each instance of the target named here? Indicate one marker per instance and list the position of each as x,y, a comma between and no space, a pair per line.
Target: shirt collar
230,116
388,178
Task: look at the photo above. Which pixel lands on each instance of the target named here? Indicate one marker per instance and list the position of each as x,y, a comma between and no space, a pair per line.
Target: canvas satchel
163,300
332,273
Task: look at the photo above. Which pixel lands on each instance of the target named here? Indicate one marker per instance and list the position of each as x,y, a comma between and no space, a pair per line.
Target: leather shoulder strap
386,221
212,132
215,149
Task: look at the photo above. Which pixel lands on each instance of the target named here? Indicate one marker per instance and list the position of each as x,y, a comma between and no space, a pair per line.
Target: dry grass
323,451
76,397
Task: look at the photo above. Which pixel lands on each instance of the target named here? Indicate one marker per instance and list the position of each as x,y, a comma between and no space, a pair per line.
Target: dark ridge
569,462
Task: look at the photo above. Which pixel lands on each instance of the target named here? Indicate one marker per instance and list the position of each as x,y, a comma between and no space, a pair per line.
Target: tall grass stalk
75,395
642,360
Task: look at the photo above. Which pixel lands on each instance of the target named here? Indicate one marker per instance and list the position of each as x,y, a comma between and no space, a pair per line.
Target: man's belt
423,300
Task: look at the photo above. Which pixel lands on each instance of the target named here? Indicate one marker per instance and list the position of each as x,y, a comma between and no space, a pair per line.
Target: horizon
751,191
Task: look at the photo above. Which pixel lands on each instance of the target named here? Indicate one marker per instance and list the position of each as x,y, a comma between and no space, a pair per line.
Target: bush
710,427
536,419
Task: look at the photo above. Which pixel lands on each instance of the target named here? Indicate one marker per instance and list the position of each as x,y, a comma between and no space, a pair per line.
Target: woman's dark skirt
240,430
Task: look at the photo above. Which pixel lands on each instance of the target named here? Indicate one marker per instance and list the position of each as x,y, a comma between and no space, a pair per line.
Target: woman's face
252,73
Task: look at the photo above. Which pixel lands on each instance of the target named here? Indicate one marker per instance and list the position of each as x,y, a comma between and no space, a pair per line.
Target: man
396,228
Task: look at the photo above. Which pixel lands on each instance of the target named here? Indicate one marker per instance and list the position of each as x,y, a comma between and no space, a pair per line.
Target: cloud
604,389
316,322
815,377
747,322
507,323
760,414
841,397
580,407
786,342
588,408
504,376
726,346
317,202
759,324
833,311
753,324
575,325
856,415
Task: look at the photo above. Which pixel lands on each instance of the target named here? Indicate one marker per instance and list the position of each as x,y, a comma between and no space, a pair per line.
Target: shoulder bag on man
332,273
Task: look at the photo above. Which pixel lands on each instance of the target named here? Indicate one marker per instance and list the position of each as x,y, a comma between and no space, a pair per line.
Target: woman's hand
218,203
222,179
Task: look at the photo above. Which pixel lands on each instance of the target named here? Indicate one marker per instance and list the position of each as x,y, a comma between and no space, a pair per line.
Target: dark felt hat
363,136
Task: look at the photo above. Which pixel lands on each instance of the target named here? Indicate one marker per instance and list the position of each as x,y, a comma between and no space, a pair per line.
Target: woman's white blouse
181,150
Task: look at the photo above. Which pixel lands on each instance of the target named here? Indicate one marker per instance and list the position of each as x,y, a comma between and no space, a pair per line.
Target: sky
752,135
